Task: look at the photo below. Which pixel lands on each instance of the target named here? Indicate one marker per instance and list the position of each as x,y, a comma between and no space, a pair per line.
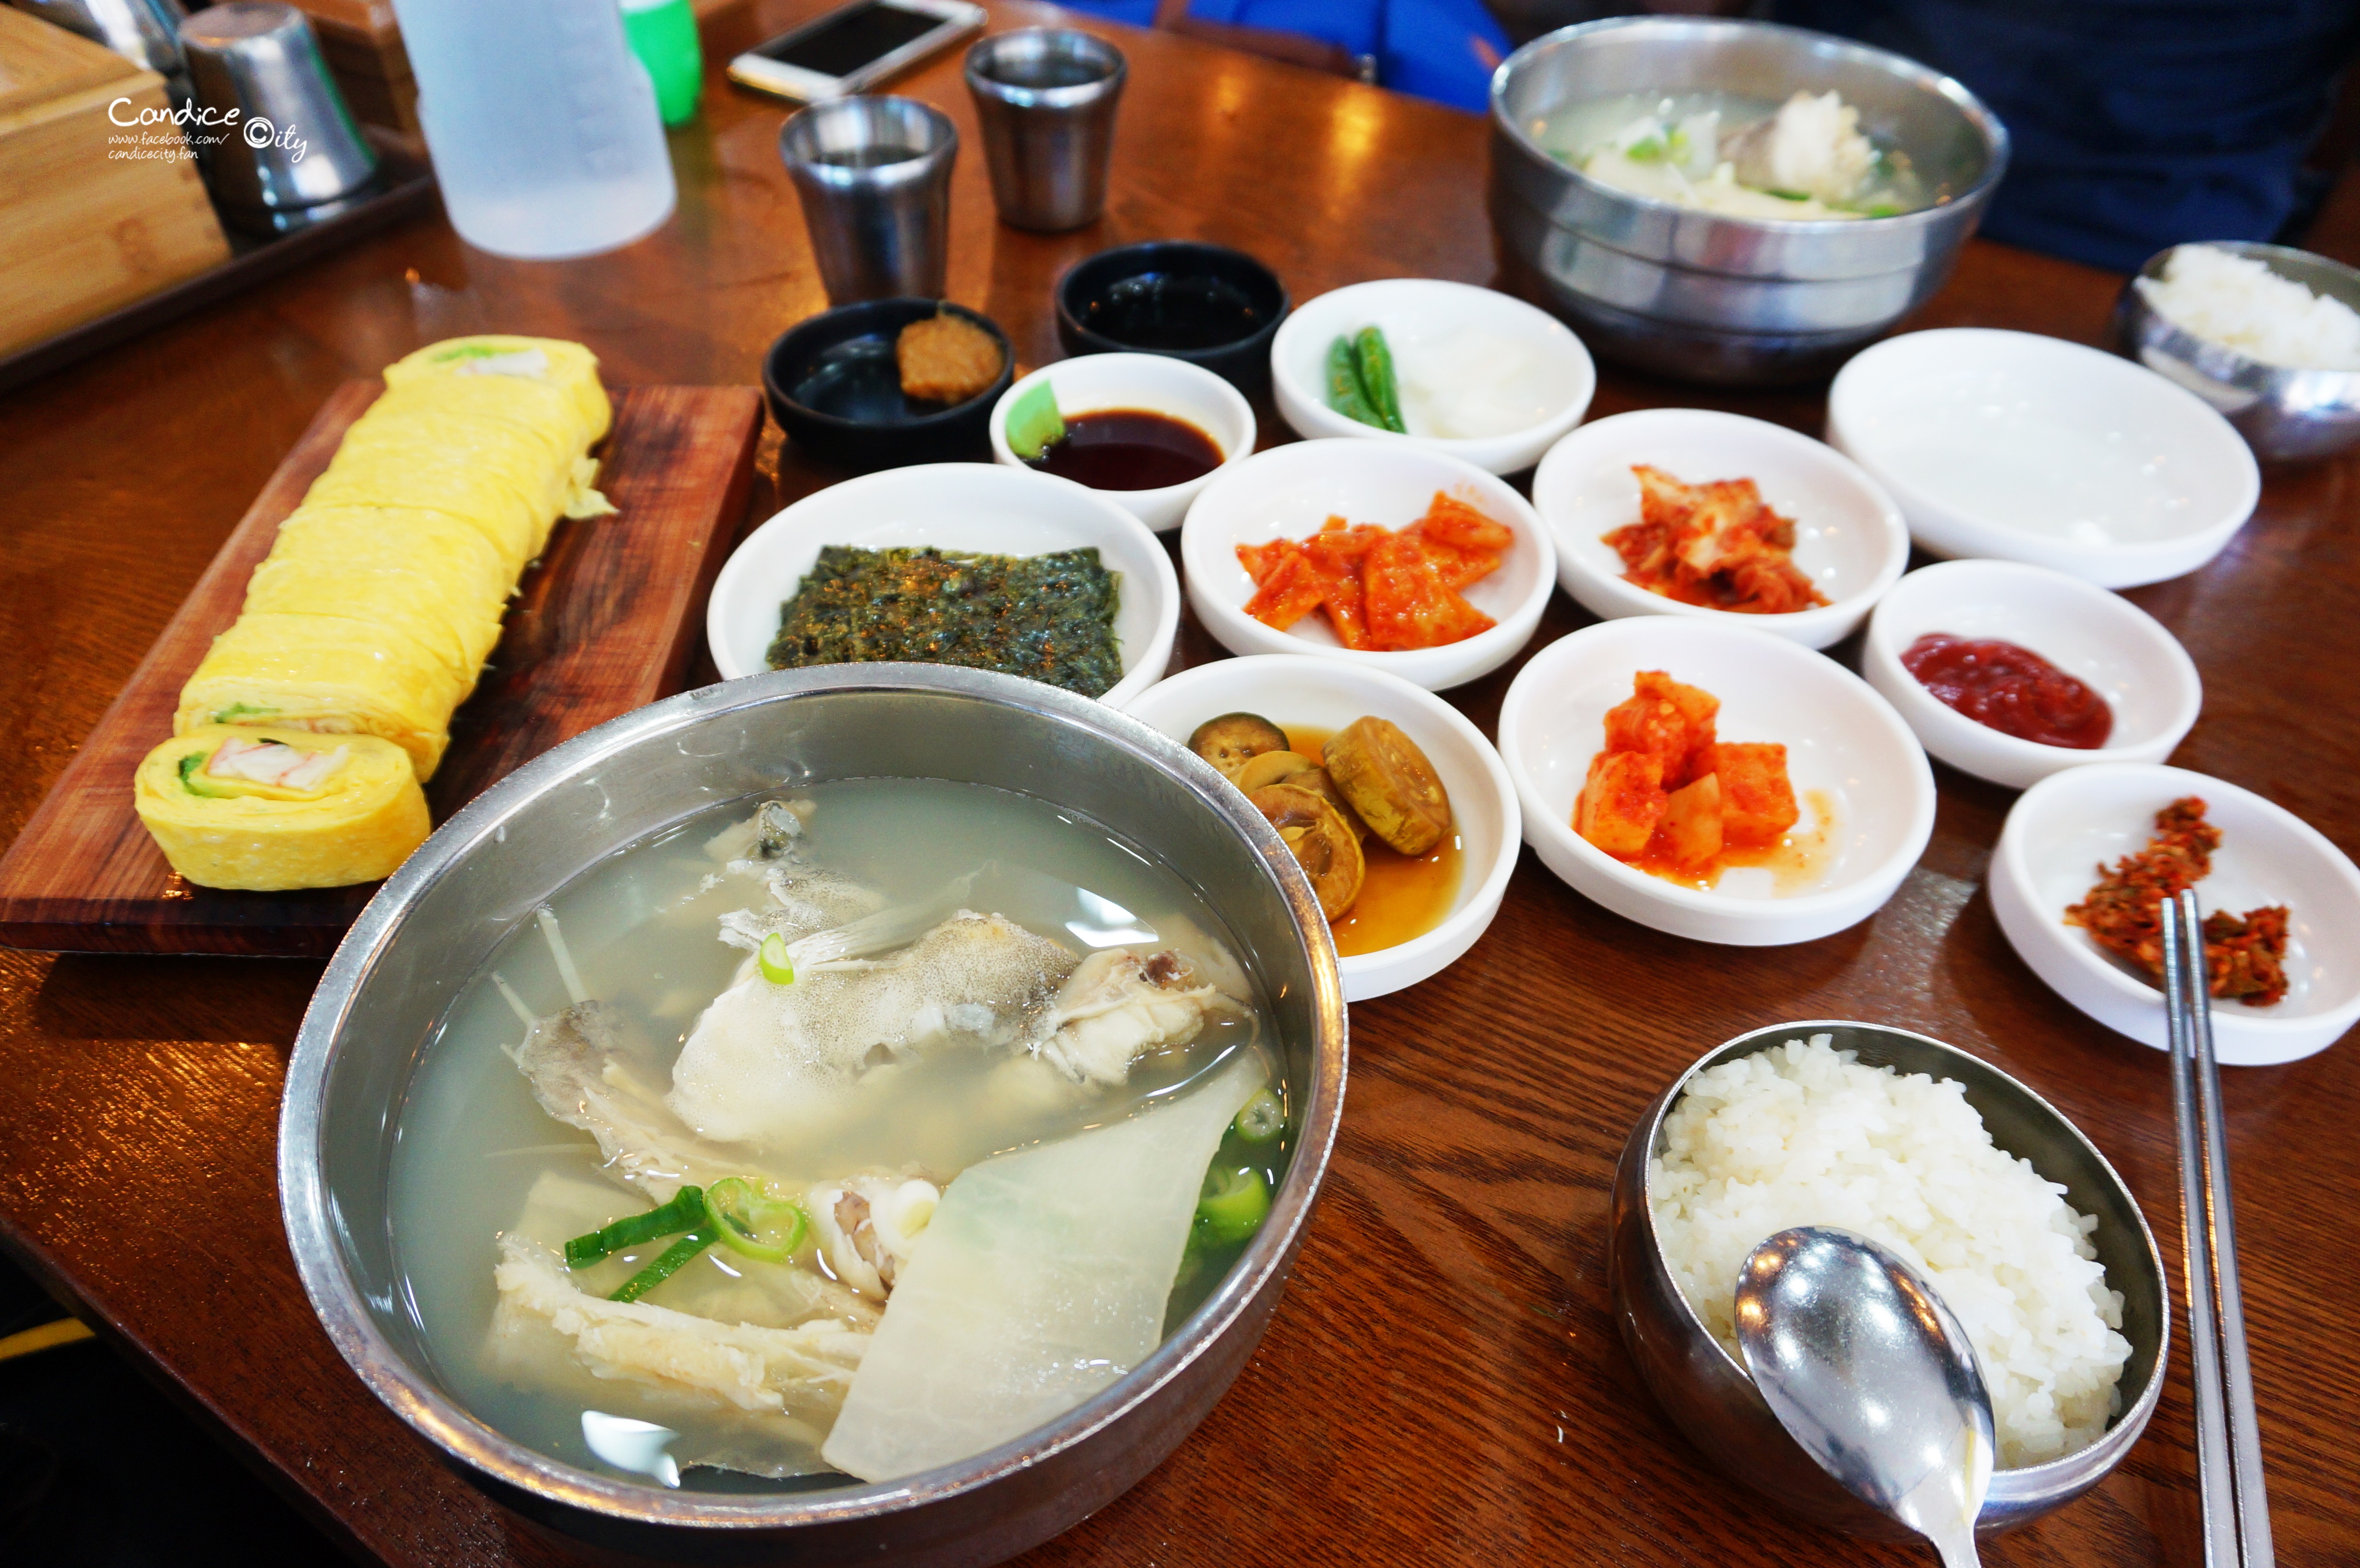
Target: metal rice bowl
1706,1391
415,947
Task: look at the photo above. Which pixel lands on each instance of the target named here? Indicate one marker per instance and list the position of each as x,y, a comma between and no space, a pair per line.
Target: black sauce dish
834,387
1204,303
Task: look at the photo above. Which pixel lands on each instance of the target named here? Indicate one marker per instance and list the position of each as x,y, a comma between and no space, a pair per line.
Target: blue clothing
1433,48
2137,125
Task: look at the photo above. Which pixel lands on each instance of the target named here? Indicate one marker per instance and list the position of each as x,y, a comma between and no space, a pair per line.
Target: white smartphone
854,47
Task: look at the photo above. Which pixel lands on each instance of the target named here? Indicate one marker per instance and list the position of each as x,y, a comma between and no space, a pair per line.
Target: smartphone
854,47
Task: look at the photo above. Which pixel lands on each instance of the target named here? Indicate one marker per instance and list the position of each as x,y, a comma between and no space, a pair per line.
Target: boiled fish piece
1121,1004
771,1063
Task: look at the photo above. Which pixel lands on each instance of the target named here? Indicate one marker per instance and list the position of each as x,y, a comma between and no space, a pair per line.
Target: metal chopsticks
2228,1443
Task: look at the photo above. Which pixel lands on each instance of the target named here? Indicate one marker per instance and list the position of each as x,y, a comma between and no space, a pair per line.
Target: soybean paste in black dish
1129,449
1047,617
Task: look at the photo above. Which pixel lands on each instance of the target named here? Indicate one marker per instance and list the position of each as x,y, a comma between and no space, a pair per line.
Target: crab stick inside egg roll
325,675
262,808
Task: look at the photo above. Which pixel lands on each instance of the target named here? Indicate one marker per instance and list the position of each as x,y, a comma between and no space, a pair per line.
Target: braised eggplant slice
1390,783
1231,740
1272,768
1322,841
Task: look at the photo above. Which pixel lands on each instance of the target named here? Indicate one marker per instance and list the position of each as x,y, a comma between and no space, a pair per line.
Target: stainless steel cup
875,179
1046,99
279,148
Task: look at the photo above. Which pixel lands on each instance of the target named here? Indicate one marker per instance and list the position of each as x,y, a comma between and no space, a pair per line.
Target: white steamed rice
1802,1134
2236,302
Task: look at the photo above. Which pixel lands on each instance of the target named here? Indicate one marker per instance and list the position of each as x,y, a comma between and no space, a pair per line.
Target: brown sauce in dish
1402,896
1129,449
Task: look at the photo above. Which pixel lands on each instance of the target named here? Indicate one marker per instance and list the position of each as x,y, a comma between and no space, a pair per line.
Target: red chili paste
2012,690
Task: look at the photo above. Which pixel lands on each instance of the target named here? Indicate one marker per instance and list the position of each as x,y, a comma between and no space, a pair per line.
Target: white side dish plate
969,506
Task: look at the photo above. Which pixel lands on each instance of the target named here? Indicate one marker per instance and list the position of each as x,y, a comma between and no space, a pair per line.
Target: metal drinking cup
875,179
279,149
1046,99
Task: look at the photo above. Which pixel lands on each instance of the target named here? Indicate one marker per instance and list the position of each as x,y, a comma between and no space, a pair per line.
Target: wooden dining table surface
1442,1382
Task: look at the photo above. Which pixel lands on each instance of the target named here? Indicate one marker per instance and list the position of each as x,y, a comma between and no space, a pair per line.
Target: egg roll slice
558,482
455,553
512,515
415,413
227,811
325,675
533,374
411,601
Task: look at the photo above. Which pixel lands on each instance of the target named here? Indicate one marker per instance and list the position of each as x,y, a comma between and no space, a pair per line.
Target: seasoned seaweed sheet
1047,617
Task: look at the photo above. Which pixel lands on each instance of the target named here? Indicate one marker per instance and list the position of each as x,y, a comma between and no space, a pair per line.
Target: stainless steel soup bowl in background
422,938
1706,298
1704,1387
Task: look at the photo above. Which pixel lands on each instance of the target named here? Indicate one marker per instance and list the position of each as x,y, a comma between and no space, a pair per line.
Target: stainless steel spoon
1870,1374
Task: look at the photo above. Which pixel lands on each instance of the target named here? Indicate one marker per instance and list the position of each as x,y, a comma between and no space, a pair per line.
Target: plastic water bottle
543,124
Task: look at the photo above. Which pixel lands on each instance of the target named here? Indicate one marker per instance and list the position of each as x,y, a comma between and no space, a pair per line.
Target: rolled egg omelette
265,808
380,600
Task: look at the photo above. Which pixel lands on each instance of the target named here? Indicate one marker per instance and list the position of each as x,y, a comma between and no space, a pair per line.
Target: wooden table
1443,1383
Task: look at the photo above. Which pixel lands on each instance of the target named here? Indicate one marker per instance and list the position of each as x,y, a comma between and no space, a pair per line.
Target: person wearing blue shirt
1442,50
2137,125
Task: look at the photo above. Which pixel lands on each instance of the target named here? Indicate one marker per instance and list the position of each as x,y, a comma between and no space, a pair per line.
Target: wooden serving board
605,622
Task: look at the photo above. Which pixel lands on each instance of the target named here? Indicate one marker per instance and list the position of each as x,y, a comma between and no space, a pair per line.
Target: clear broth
471,1140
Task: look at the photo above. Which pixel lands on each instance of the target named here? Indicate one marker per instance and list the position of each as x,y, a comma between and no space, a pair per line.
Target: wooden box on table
94,213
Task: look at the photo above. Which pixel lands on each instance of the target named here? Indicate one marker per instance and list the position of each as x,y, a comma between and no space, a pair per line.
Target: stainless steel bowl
1706,1391
424,935
1681,292
2285,415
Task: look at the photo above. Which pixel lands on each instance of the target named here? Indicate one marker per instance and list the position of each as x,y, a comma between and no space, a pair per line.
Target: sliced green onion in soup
664,1266
1235,1202
687,1208
1263,1119
749,1220
778,967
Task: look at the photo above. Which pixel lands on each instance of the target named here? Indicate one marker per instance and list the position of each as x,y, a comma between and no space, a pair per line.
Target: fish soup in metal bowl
1732,200
846,1110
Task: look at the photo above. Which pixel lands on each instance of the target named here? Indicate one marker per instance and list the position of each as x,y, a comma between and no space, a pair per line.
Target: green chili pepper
778,964
746,1218
1345,393
1378,379
1263,1119
1033,422
1235,1201
667,1264
687,1208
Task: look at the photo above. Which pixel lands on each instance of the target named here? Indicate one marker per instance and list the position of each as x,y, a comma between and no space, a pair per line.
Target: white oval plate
1845,746
1155,382
2090,633
1432,325
1850,540
2019,447
2063,828
1289,491
974,506
1322,694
